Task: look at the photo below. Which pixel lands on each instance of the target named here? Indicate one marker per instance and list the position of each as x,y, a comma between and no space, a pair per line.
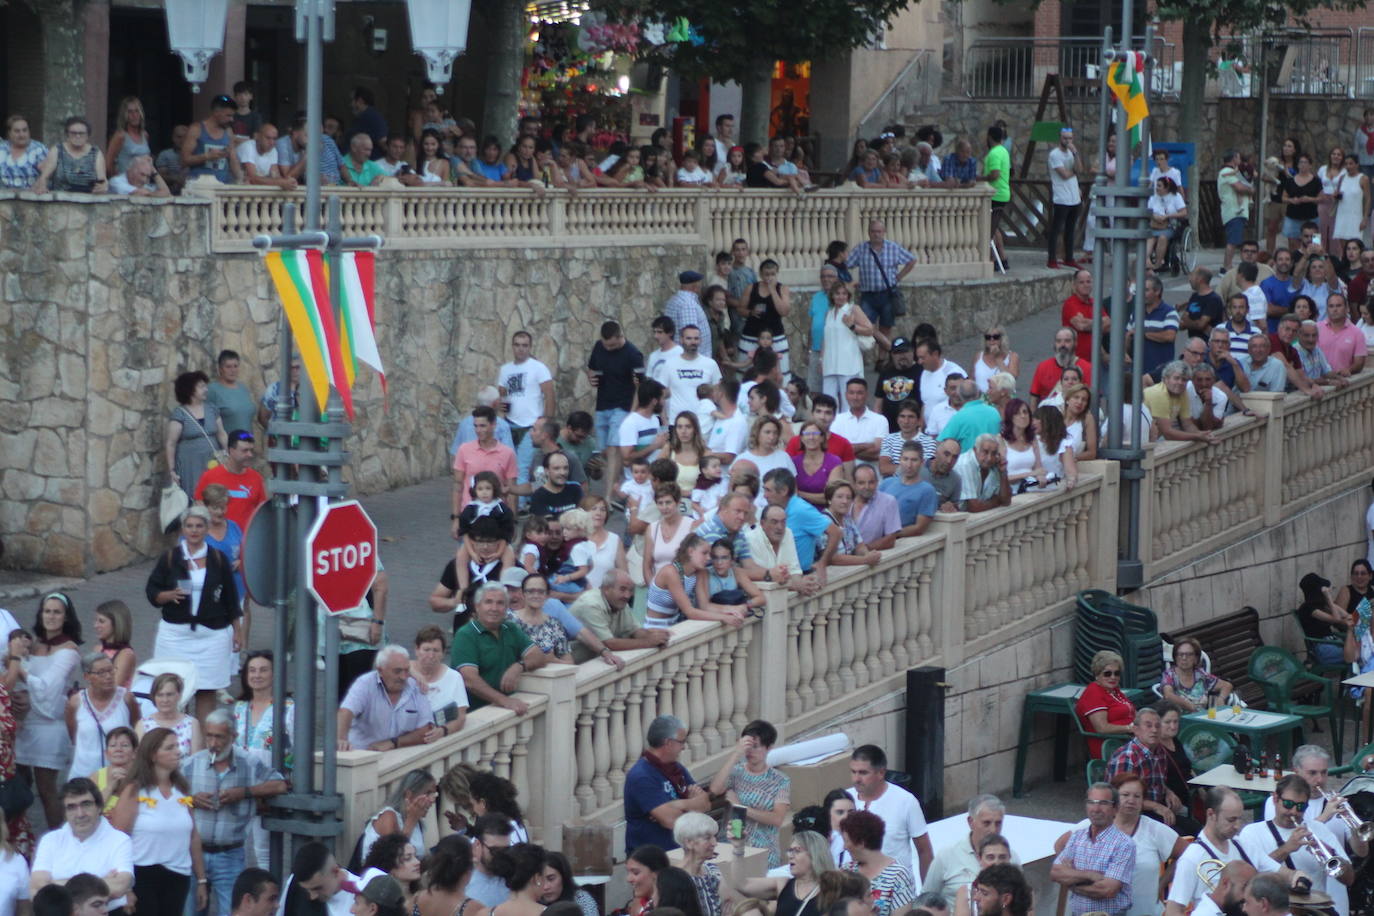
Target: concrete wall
105,302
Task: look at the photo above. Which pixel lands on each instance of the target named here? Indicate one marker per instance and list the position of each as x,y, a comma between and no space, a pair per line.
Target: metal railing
1327,63
908,90
1016,67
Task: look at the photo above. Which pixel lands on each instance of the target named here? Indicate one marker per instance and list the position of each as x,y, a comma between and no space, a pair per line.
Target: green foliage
1237,16
741,35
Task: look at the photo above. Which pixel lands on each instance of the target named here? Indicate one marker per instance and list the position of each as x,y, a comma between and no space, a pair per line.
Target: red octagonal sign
342,551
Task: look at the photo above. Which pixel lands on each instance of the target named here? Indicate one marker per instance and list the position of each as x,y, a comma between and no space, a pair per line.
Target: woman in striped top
679,590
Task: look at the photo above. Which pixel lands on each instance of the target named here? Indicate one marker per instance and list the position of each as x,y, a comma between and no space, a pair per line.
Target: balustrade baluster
974,610
615,768
882,586
696,705
870,596
586,762
925,592
634,721
806,667
725,678
858,611
601,747
848,682
828,650
903,608
746,704
520,753
710,703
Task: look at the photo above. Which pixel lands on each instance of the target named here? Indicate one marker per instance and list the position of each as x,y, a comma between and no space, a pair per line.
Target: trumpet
1331,863
1364,830
1209,873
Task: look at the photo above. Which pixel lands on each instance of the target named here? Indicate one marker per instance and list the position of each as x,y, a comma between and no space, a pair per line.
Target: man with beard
1228,899
1048,371
1218,840
1001,890
225,785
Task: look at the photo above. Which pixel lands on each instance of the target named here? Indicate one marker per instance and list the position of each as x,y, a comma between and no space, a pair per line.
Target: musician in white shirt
1286,840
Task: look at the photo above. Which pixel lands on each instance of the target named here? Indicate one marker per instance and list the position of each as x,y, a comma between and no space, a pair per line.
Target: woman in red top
1103,707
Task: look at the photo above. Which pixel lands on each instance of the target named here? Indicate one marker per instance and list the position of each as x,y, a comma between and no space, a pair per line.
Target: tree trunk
756,104
505,65
1197,41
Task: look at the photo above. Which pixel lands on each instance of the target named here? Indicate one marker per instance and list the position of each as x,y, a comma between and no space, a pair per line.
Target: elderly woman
892,885
439,682
74,164
548,623
120,744
194,431
815,467
93,712
403,812
1186,682
763,791
193,586
21,157
696,834
808,857
1103,708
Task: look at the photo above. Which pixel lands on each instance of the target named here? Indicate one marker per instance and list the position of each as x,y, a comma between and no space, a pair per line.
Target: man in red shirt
1048,371
823,412
1360,284
246,488
1077,313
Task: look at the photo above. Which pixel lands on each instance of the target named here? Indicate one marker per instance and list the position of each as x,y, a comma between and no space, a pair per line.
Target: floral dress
549,636
20,831
1204,682
20,174
764,791
708,889
256,737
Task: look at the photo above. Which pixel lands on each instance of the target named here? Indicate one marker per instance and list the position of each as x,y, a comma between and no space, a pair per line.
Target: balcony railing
1016,67
1332,63
946,228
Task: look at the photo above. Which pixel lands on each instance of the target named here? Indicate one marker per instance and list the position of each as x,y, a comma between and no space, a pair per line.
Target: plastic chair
1111,745
1207,748
1282,677
1314,664
1354,764
1095,771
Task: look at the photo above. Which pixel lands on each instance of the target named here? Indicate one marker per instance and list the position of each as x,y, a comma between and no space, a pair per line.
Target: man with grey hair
982,473
1206,400
658,789
1048,371
1312,361
976,415
1167,402
491,652
607,612
1097,864
1160,327
486,397
386,708
955,865
1266,895
226,782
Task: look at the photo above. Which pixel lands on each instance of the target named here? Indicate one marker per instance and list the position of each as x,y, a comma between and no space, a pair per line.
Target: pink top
1341,347
664,551
472,458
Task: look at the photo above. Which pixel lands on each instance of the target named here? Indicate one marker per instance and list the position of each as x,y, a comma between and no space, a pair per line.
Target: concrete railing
806,664
947,229
1295,452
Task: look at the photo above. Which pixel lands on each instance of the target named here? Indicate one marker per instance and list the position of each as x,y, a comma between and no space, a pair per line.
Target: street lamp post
195,30
439,34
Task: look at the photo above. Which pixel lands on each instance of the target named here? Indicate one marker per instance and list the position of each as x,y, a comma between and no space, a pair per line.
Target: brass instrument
1209,873
1364,830
1330,862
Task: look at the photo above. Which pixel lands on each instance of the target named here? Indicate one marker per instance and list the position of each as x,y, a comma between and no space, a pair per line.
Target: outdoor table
1056,700
1226,775
1255,723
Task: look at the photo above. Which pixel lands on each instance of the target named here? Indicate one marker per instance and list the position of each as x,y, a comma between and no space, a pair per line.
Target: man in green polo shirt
997,172
358,167
491,652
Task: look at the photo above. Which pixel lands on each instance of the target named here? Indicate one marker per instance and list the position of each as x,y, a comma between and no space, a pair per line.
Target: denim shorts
877,305
1235,231
1292,228
608,425
1166,233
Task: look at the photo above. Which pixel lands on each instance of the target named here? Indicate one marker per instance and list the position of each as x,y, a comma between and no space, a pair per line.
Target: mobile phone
1317,239
736,826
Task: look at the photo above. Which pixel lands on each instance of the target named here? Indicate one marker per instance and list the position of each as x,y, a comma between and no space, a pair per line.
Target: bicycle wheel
1187,250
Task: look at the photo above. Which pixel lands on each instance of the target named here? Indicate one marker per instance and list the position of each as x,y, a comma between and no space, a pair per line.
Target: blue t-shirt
645,790
820,304
1278,292
493,170
807,524
913,500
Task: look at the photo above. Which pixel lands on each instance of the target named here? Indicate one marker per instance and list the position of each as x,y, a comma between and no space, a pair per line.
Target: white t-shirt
657,359
933,383
1219,402
448,689
785,406
937,417
1170,172
341,904
1065,189
1169,203
62,855
697,175
261,162
1154,843
520,383
1340,894
1187,889
731,434
637,431
861,430
120,184
14,882
903,822
1257,305
1259,842
682,376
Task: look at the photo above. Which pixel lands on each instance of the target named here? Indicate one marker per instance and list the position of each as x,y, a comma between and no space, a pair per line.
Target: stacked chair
1104,621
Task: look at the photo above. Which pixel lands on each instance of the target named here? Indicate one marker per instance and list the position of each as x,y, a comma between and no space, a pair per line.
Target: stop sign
342,556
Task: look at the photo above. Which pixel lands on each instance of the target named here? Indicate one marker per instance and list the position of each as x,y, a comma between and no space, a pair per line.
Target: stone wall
105,302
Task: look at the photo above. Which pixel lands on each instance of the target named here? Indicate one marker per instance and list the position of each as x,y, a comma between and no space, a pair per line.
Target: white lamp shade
439,34
195,30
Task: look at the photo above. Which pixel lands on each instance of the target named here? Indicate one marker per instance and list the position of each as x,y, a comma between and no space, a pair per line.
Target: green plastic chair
1353,764
1334,670
1207,748
1111,745
1095,771
1282,677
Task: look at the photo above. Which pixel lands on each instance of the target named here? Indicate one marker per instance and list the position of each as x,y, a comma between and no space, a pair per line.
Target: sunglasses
992,336
1111,673
1291,804
241,436
223,100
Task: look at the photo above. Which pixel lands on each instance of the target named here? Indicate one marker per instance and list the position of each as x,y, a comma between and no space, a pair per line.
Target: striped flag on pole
1126,79
358,314
303,287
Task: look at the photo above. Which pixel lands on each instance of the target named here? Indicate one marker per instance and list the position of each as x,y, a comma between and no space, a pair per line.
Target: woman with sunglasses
1103,708
996,356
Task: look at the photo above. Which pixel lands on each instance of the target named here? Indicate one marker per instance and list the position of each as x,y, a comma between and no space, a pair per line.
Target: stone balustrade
947,229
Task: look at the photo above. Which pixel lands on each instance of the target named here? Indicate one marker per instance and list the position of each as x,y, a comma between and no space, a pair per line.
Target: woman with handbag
193,585
95,711
195,434
848,333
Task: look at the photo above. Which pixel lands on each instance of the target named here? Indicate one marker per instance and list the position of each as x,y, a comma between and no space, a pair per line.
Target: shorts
608,425
1292,228
877,305
1166,233
998,208
1235,231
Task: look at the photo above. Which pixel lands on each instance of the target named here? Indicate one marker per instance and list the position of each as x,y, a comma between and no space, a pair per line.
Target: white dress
427,176
43,740
1350,209
1075,435
92,725
1053,464
840,353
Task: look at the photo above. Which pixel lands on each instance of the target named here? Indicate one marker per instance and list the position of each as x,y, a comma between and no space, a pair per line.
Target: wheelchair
1181,255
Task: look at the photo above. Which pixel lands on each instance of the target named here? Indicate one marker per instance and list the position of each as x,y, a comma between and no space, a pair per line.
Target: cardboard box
811,783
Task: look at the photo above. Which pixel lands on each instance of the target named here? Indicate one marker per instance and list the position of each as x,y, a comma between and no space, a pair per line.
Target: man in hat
684,308
897,381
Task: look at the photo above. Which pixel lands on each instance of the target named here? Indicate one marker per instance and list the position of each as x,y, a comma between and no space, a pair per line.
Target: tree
501,102
742,38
